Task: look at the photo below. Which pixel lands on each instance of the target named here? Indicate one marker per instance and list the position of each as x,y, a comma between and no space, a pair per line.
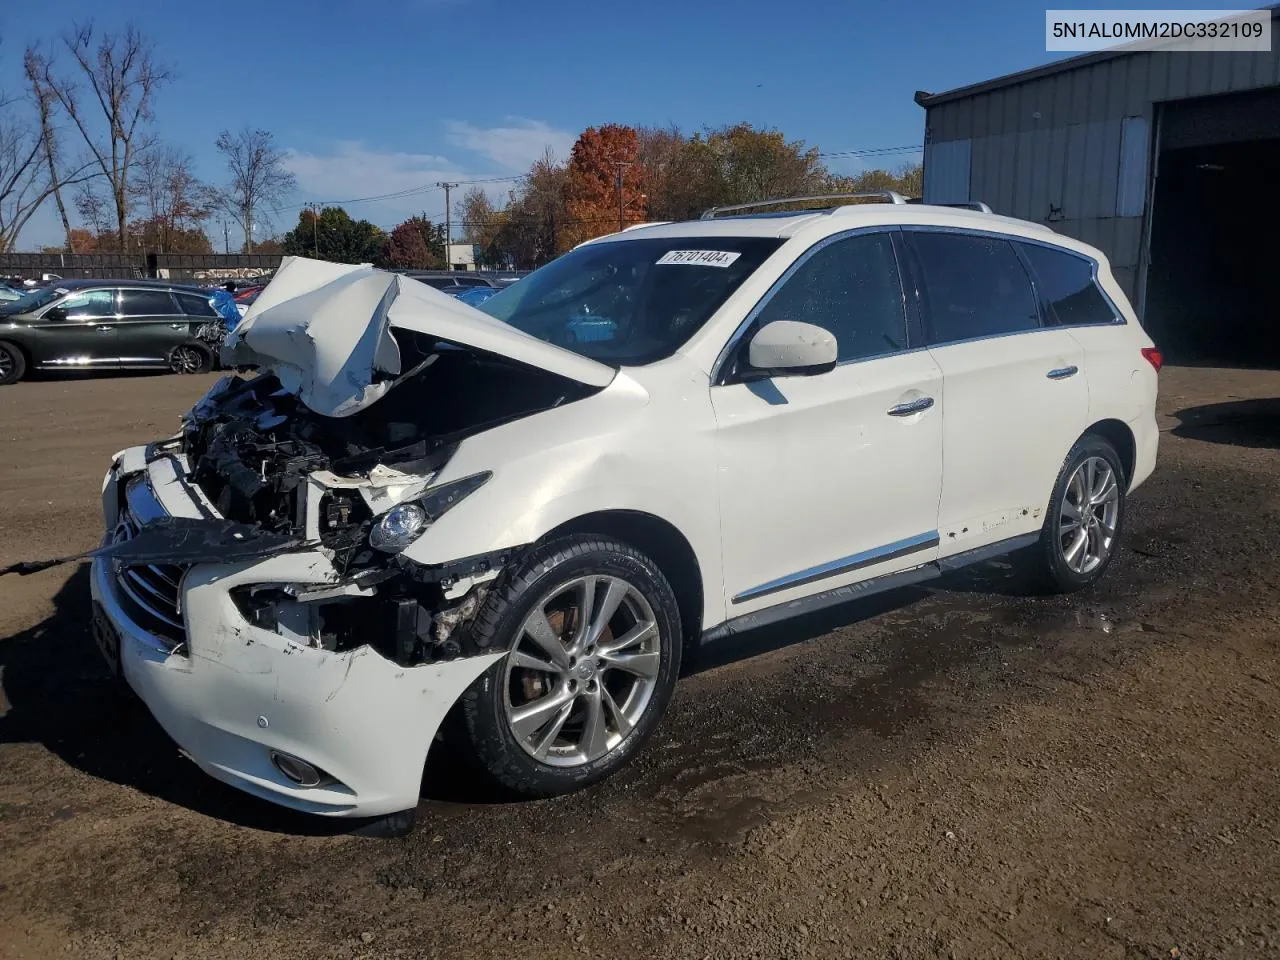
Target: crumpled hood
326,331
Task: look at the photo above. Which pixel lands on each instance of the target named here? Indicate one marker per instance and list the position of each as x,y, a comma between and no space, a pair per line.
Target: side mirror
55,313
789,348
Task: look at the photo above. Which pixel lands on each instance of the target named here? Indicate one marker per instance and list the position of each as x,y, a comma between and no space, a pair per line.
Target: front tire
12,363
593,635
1085,520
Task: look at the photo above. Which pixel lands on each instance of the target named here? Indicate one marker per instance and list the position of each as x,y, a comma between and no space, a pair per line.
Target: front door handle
102,329
176,326
1061,373
910,407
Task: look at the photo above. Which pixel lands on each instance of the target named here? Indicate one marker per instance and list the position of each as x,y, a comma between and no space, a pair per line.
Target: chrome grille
152,592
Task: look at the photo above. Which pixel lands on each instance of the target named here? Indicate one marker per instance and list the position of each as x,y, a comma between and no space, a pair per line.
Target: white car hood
326,331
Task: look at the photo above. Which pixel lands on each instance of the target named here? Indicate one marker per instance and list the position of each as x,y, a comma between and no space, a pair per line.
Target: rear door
78,331
151,325
1016,399
830,479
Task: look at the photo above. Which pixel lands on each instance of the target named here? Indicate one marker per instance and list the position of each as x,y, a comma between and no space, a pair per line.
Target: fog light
299,771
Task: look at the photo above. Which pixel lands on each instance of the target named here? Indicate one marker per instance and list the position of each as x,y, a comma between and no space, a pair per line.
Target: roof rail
977,205
888,196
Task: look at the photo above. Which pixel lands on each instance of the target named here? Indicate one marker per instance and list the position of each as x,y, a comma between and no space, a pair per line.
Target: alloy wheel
6,363
186,360
1090,512
582,671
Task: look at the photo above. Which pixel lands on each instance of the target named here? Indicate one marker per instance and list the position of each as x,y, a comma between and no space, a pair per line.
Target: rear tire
13,364
1085,520
191,358
576,697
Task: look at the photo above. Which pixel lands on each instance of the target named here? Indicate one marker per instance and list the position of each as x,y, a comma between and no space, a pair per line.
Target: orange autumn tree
600,157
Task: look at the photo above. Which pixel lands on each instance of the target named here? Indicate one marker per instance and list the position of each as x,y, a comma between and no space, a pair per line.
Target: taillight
1154,357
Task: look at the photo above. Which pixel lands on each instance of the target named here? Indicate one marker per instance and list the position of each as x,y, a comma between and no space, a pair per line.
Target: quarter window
91,305
147,303
851,288
1066,284
972,287
194,306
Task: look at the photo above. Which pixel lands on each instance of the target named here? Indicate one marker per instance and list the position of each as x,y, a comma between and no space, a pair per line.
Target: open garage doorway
1214,270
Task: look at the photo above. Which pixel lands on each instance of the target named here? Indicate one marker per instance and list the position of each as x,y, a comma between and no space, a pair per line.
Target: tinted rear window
1066,284
147,303
195,306
973,286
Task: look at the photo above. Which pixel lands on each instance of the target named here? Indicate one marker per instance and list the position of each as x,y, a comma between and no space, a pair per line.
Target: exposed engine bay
263,459
284,479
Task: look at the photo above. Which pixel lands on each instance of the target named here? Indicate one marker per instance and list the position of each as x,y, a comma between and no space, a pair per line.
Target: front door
78,332
829,479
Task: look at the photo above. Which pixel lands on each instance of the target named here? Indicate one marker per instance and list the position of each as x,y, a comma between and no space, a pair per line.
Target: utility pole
226,236
315,226
448,224
620,165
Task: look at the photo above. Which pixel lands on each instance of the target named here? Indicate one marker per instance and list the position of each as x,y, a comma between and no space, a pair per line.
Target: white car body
790,493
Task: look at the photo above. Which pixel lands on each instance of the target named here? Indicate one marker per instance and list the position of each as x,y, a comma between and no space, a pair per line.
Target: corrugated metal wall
1072,148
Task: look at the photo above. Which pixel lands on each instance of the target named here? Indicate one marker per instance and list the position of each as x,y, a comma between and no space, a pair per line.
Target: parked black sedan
105,325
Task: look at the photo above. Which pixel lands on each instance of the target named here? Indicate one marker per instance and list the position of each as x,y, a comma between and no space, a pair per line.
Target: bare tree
122,79
258,177
22,186
93,210
36,67
168,193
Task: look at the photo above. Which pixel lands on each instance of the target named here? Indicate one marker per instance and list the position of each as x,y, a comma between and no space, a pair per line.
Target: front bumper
229,692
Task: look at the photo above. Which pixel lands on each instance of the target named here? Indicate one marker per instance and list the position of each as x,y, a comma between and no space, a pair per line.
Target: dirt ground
953,772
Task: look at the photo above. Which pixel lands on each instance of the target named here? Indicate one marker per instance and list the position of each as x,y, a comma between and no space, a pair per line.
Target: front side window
850,287
1066,284
972,287
147,303
630,302
92,305
32,301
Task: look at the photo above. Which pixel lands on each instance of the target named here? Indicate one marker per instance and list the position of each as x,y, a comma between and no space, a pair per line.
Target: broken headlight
398,527
405,522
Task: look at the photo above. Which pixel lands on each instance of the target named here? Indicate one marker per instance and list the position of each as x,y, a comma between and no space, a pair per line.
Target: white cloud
516,145
351,170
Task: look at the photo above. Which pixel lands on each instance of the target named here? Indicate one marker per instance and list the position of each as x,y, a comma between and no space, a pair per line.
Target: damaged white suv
525,515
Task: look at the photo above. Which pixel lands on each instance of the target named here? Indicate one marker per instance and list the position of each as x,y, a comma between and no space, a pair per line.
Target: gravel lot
954,772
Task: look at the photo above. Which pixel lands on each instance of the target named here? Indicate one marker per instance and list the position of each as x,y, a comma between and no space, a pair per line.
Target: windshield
630,302
33,301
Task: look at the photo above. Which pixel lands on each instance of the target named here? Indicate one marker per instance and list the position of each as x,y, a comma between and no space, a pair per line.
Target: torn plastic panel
178,540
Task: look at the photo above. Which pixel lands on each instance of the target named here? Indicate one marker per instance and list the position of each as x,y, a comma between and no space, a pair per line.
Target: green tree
334,236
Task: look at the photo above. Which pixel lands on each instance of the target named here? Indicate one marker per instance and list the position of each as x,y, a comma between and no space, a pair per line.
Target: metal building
1167,162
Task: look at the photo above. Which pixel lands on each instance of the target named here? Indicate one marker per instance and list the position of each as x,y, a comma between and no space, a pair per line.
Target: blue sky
375,97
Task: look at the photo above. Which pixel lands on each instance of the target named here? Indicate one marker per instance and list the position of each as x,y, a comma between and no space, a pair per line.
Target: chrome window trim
834,568
717,369
1037,241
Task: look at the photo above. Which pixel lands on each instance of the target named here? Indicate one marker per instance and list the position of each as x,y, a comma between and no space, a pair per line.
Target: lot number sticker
700,258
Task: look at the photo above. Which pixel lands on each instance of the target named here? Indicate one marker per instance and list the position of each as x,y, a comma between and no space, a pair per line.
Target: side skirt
866,588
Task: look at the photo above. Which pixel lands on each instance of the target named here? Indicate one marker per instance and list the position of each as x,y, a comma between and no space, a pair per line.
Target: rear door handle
176,326
910,407
102,329
1061,373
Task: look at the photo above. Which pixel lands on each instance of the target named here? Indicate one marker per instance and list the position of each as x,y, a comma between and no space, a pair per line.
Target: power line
873,151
